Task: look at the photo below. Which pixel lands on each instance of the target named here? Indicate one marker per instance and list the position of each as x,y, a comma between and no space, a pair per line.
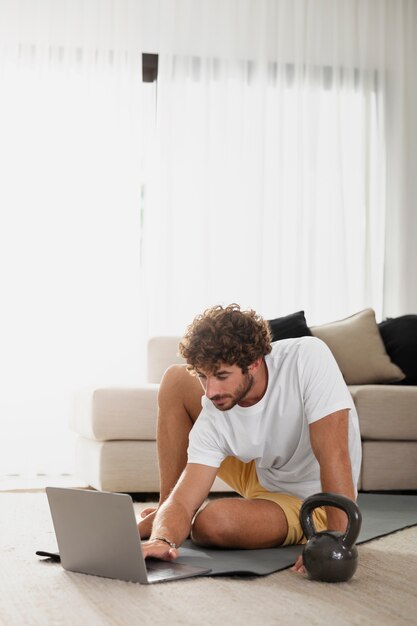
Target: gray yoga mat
381,515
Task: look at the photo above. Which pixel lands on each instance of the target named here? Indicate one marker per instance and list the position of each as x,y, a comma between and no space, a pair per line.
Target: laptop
97,534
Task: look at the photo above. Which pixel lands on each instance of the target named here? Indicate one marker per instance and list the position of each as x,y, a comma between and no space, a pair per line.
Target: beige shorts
242,477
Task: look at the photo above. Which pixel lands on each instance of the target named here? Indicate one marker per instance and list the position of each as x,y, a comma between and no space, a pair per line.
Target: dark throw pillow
289,326
399,335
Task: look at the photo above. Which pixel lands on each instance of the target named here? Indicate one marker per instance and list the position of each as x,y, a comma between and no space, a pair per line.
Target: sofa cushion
400,338
124,466
117,413
389,465
386,412
293,325
358,348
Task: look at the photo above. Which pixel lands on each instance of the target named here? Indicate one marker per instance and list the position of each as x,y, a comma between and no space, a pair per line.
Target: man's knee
240,523
180,392
175,375
211,525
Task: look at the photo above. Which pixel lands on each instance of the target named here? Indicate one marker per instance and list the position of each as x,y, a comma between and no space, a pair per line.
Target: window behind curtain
268,190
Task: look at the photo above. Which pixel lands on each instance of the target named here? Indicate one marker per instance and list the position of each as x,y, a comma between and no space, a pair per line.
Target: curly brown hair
225,335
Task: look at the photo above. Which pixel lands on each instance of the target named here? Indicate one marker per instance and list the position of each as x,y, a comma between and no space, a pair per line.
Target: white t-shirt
304,385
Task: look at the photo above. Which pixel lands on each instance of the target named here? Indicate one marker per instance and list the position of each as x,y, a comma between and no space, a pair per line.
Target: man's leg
240,523
179,404
262,519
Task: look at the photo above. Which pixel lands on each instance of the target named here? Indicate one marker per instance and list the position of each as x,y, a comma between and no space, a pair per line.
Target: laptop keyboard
162,570
162,566
155,567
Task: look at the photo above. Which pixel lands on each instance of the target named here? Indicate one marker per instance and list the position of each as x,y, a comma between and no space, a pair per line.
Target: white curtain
400,284
282,176
284,132
71,117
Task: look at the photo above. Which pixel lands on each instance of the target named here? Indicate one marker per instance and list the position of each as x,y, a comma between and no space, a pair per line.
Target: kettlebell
330,556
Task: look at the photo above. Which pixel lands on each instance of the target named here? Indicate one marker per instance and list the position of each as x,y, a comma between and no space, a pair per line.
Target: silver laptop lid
97,534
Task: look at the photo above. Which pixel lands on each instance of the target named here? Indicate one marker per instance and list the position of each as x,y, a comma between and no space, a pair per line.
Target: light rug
33,592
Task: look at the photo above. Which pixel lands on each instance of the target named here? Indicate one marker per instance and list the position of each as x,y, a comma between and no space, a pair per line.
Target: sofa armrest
116,413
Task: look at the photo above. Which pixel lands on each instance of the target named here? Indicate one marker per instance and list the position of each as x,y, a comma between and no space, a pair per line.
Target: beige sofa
116,448
116,427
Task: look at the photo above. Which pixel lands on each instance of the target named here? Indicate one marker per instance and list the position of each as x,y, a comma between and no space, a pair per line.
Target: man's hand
159,550
298,566
172,520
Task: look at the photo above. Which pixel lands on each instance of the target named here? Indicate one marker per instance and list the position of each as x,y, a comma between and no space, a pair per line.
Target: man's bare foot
145,525
298,566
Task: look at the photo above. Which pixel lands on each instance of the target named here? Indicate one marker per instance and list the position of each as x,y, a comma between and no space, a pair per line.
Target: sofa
116,427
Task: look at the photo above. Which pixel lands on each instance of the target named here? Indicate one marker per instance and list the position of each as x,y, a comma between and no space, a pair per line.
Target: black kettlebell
330,556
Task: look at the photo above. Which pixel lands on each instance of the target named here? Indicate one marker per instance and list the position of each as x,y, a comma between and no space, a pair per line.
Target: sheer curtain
273,180
282,176
71,120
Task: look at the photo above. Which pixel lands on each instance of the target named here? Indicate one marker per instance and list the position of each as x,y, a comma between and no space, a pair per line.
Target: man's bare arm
330,443
174,517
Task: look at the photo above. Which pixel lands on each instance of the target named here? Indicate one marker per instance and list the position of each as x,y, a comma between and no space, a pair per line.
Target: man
277,424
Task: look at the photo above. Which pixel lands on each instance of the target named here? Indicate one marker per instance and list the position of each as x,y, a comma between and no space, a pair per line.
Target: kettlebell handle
340,502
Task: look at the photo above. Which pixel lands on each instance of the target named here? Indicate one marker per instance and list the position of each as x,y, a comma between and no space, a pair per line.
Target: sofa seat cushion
127,466
386,411
389,465
124,466
117,413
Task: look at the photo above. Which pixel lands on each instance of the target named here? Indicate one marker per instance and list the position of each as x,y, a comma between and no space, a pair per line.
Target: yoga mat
381,515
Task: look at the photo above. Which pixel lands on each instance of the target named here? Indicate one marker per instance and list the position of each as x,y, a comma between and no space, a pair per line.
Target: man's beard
227,401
